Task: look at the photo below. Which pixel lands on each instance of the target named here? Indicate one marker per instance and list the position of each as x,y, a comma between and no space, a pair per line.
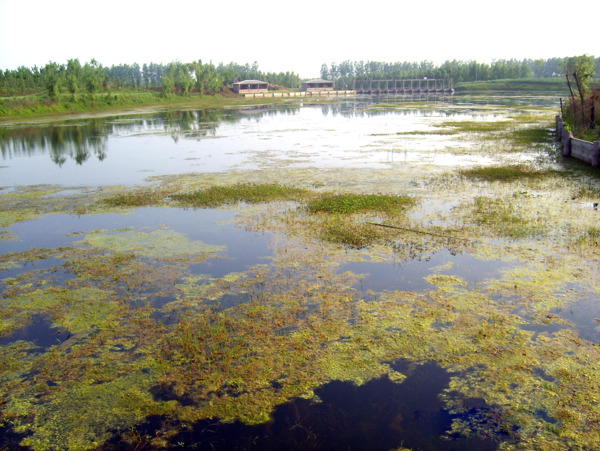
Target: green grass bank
557,85
40,106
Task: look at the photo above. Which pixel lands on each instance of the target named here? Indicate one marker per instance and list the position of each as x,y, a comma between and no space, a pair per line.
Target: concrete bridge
403,86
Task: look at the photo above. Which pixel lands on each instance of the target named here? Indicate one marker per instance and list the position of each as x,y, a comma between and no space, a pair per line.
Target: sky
289,36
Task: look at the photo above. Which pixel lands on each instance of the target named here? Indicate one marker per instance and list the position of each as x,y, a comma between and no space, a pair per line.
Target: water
409,275
210,226
38,331
378,415
238,249
127,149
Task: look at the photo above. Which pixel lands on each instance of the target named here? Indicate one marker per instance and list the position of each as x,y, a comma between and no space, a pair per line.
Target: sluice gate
403,86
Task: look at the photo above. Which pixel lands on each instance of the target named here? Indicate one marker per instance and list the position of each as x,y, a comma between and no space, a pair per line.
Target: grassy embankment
37,106
557,84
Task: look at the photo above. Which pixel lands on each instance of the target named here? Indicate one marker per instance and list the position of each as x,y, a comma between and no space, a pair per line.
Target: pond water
174,266
128,149
408,275
375,416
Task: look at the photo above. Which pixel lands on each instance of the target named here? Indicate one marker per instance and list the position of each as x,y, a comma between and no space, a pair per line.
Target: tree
196,68
94,76
581,68
73,74
136,75
324,72
25,78
52,79
182,77
213,82
167,83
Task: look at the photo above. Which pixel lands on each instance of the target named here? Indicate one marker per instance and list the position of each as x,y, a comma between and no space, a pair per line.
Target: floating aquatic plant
157,244
520,372
242,192
359,203
508,173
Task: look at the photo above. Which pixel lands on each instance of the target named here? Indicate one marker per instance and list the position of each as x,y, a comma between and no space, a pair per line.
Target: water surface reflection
126,149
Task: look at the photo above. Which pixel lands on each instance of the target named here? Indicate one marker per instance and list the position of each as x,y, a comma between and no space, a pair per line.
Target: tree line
175,77
580,111
345,73
184,78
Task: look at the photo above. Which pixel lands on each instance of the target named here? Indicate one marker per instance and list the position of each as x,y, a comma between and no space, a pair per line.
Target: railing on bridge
403,86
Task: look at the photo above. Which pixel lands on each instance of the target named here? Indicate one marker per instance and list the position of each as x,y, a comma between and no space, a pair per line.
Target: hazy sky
289,36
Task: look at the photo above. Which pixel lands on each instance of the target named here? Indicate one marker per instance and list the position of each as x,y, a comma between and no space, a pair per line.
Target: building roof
318,80
251,82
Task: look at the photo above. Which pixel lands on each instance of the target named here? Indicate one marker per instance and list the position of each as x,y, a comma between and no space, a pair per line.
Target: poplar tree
581,68
73,75
52,79
94,76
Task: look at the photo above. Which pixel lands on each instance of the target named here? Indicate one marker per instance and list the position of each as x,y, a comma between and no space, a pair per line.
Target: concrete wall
251,90
577,148
313,88
260,95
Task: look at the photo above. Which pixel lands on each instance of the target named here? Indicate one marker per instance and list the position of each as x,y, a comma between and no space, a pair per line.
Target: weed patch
340,230
139,198
241,192
479,126
531,136
359,203
508,173
504,217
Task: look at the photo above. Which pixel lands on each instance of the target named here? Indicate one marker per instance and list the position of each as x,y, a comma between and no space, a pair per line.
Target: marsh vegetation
444,286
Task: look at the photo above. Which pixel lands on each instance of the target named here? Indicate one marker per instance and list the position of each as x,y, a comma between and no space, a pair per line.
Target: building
317,85
250,86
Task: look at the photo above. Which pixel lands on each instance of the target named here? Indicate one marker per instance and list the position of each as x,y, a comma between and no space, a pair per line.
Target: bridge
403,86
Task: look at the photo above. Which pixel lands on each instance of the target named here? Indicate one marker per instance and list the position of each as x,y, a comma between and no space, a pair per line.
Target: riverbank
41,106
524,85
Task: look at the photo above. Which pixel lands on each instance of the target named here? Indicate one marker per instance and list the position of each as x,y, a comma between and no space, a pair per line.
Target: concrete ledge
577,148
273,94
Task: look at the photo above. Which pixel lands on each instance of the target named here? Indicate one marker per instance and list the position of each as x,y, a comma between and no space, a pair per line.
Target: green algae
304,324
29,192
508,173
108,406
532,135
508,217
27,203
73,310
8,218
8,265
203,288
238,353
89,308
241,192
355,203
156,244
347,218
444,280
139,198
5,235
341,230
479,126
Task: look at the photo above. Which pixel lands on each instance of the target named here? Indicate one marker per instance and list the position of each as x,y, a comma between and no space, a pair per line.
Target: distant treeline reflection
82,139
61,142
